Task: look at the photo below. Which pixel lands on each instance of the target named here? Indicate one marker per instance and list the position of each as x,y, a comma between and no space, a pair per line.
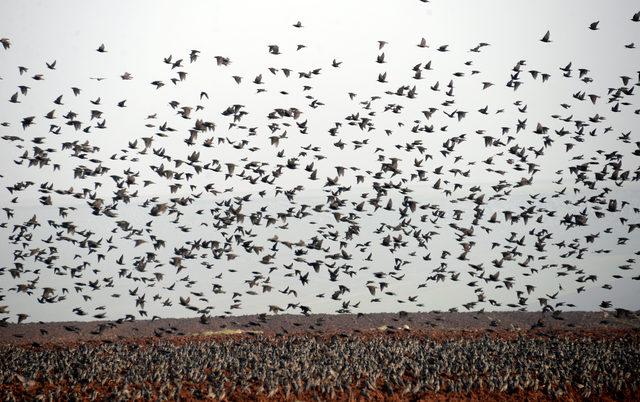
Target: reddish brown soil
467,323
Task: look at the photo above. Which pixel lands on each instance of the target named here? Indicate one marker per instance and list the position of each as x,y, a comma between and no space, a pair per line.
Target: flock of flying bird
159,270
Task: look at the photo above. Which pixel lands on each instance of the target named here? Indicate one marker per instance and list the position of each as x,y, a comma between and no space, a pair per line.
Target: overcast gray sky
138,36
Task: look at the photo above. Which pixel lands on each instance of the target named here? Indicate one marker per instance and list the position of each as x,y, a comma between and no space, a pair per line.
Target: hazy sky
138,36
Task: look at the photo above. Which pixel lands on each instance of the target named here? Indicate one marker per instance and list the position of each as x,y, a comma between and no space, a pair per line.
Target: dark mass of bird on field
331,367
282,175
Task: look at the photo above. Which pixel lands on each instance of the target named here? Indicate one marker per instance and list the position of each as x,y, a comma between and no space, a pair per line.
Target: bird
546,37
22,317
